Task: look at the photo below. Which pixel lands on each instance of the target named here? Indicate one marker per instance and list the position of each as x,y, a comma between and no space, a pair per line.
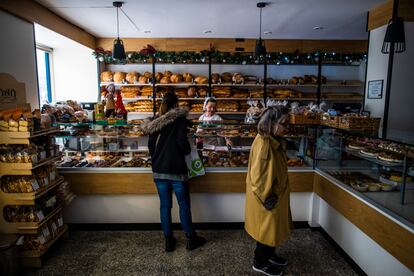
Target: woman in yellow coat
267,214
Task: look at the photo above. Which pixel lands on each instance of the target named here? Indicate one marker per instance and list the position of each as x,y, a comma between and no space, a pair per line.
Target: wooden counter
142,183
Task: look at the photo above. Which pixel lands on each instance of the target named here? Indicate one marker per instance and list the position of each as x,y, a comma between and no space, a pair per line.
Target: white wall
17,54
370,257
75,69
401,112
377,70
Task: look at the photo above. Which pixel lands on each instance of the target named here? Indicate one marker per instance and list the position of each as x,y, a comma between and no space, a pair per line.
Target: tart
355,146
390,157
370,152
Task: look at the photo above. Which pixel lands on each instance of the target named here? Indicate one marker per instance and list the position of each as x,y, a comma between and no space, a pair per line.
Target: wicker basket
359,123
300,119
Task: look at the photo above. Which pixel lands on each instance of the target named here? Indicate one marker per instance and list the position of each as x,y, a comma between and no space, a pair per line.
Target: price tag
42,155
35,185
40,215
46,232
41,239
60,221
54,227
46,180
51,202
52,175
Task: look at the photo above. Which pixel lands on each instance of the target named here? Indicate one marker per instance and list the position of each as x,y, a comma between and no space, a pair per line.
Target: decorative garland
230,58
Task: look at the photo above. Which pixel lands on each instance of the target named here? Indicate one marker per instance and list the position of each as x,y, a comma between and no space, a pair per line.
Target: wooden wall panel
381,14
34,12
229,45
398,241
142,183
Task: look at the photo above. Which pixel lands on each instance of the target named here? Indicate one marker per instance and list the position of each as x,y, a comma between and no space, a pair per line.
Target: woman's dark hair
269,117
169,101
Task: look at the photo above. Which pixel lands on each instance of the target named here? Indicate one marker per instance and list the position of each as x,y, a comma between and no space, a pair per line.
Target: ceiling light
118,50
318,28
207,31
394,40
267,32
260,48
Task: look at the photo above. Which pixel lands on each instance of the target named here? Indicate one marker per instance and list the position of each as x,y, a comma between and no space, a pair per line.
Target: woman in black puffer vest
168,144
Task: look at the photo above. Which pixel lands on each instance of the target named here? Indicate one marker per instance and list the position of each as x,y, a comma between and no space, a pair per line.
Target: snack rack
50,225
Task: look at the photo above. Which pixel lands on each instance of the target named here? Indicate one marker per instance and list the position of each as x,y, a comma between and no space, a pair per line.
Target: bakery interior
77,193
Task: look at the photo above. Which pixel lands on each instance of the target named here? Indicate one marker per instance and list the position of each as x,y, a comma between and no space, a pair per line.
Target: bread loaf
201,80
192,92
107,76
187,77
167,74
143,80
119,77
176,78
158,76
165,80
132,77
226,77
215,78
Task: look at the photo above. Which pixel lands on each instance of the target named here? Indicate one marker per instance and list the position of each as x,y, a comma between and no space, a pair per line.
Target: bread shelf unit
33,258
26,227
24,168
23,138
27,198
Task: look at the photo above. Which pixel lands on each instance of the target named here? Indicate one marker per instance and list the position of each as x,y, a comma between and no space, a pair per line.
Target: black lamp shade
118,51
394,34
260,49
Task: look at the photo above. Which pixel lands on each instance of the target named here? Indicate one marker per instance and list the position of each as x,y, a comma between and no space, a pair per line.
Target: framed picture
375,89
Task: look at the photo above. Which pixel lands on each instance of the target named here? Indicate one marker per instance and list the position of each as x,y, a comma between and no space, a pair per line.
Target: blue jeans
165,188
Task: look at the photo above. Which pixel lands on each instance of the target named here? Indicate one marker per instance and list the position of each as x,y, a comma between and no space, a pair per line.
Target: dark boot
194,241
170,243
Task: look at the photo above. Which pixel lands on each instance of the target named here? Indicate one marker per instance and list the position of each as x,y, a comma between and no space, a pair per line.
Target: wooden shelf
180,84
24,168
27,198
125,84
33,258
26,227
23,138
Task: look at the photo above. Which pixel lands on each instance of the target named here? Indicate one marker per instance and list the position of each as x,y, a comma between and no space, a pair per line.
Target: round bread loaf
107,76
132,77
119,77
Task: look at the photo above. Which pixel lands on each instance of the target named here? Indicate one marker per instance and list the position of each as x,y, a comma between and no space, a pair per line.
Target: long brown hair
169,102
269,117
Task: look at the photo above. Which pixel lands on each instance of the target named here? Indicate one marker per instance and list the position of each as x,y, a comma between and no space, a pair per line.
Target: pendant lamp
260,49
118,50
395,34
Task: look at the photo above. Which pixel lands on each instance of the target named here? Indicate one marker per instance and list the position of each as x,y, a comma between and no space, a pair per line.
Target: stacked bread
286,93
227,106
146,91
196,107
240,93
140,106
129,91
181,92
221,92
184,104
259,93
244,106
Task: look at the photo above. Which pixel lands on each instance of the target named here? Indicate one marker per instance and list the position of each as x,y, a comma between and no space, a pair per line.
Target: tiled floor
227,252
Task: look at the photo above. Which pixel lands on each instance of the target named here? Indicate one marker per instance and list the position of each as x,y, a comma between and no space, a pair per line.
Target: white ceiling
287,19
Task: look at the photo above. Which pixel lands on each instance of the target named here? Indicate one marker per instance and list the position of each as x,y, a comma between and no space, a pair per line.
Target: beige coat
268,173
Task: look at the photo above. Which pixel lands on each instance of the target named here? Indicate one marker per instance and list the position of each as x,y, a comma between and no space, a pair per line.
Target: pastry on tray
369,152
390,157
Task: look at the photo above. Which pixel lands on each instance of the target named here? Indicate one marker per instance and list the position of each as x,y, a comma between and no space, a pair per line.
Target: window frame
48,57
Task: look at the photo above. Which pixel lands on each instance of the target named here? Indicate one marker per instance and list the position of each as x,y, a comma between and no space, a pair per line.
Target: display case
380,171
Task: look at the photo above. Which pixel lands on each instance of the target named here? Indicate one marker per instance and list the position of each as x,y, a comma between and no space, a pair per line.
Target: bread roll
215,78
167,74
201,80
238,78
187,77
192,92
142,80
148,75
132,77
158,76
119,77
165,80
226,77
202,92
176,78
107,76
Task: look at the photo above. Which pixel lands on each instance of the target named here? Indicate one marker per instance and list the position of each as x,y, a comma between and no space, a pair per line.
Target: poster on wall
12,92
375,89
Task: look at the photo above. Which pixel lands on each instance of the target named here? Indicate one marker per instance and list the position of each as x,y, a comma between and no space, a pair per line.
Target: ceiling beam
380,15
32,11
242,45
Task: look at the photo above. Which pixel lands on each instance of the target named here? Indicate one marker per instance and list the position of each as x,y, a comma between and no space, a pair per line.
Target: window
44,73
